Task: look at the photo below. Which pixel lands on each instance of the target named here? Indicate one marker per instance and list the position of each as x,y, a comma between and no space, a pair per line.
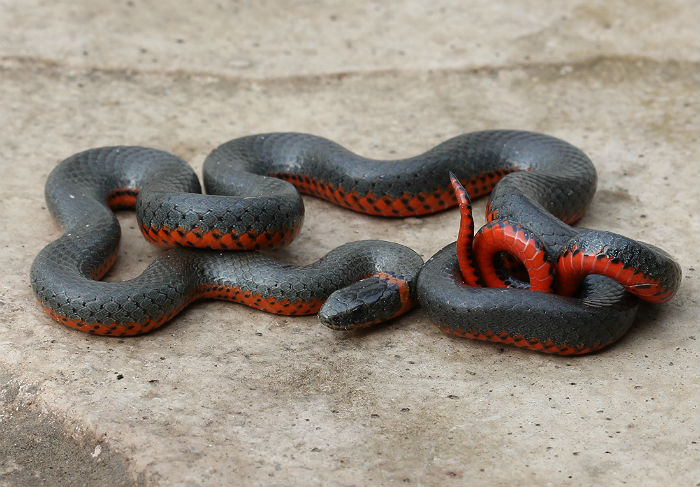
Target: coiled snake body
368,281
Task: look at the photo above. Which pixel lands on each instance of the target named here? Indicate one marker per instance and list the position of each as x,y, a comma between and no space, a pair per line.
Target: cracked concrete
228,395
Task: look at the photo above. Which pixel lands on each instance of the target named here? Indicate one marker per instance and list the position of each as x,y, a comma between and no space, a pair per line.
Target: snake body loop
594,272
357,284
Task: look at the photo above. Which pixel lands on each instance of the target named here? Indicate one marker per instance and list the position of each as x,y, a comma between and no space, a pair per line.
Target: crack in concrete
20,62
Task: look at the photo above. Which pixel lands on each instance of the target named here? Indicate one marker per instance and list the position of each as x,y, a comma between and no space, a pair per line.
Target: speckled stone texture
229,395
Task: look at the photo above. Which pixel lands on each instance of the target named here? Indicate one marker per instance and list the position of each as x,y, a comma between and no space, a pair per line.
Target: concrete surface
228,395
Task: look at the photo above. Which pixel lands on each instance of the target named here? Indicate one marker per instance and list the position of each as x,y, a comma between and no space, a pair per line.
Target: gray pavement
225,395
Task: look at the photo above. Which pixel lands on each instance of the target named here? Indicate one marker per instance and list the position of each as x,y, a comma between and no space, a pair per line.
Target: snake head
372,300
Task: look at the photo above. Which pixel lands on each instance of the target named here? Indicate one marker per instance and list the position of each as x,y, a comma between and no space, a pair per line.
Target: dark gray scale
76,194
302,155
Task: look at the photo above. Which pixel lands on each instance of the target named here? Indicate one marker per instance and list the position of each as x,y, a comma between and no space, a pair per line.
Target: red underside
475,254
478,253
519,341
382,205
251,240
122,198
572,267
505,237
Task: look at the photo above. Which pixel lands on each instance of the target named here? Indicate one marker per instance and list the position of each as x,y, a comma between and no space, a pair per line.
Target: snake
253,203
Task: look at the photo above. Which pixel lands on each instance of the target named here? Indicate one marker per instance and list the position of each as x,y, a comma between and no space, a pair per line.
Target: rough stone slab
269,39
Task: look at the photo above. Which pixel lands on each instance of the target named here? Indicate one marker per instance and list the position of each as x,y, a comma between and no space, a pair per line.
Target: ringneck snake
538,184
